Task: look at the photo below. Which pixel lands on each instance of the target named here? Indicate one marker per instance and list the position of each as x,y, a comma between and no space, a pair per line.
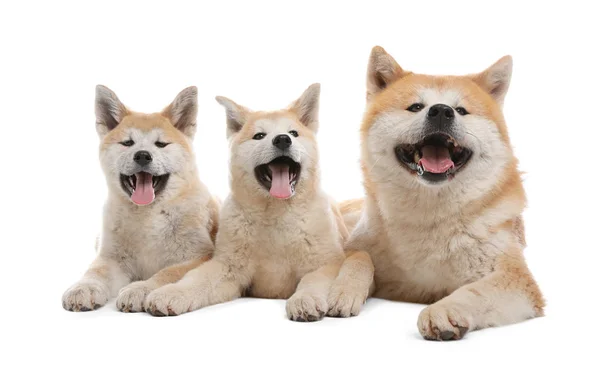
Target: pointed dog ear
237,115
109,110
182,112
496,79
382,71
307,107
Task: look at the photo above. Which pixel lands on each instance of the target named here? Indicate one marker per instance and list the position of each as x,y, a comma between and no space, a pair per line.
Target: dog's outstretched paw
443,322
168,301
345,301
132,297
85,296
306,307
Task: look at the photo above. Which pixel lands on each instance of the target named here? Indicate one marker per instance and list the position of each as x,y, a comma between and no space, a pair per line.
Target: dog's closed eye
161,144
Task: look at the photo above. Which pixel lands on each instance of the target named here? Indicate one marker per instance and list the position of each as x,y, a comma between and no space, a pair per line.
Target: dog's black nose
282,141
441,115
142,157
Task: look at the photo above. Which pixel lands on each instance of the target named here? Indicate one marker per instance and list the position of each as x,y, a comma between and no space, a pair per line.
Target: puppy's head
435,131
274,153
146,156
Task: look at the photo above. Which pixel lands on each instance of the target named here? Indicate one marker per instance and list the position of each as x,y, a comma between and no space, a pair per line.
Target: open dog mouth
143,187
279,176
436,158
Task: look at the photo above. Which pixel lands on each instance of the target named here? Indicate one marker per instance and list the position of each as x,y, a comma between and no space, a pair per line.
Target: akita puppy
159,220
442,214
279,235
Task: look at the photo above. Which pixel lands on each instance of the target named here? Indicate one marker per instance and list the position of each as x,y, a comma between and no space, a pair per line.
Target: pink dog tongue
280,181
144,191
436,159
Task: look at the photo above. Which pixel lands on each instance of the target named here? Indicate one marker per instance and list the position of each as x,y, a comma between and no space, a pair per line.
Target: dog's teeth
420,170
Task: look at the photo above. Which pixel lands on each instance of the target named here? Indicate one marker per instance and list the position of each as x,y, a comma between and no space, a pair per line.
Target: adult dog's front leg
131,298
101,281
309,302
212,283
508,295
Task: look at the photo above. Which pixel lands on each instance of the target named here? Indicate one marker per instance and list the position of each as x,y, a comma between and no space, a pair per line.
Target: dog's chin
434,160
143,188
279,177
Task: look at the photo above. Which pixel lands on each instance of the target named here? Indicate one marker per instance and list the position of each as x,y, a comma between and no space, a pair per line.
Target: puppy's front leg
100,282
355,282
352,286
212,283
131,298
508,295
309,303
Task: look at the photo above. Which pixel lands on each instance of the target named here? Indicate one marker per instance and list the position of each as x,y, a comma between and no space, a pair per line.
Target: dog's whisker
375,163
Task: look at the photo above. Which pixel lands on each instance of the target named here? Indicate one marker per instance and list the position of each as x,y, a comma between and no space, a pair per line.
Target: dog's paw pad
132,297
85,296
304,307
168,301
443,322
344,301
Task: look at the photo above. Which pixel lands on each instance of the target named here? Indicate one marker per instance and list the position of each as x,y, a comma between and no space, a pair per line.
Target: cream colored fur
457,246
155,244
272,248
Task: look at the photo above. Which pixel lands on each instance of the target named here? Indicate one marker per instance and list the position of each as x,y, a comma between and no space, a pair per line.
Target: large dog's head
435,131
274,154
146,157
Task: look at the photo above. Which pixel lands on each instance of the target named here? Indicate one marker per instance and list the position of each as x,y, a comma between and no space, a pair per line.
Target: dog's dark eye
293,133
462,111
127,143
415,107
160,144
259,136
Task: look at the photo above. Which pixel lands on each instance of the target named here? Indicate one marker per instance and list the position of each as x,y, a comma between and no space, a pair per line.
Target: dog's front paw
131,298
85,296
345,300
444,322
168,300
306,307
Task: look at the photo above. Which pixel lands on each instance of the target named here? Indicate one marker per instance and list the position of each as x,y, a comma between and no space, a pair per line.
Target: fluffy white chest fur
427,253
282,242
148,239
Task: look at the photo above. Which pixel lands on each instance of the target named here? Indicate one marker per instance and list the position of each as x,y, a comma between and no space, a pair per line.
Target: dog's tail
351,211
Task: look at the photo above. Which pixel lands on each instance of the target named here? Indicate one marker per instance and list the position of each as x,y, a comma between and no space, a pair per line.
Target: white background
263,56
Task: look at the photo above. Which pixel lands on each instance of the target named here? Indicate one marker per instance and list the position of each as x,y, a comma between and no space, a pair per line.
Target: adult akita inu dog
279,235
159,220
442,214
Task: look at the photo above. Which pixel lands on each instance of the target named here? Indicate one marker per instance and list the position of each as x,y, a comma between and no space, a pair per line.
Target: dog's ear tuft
496,79
109,110
307,107
382,71
183,111
237,115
